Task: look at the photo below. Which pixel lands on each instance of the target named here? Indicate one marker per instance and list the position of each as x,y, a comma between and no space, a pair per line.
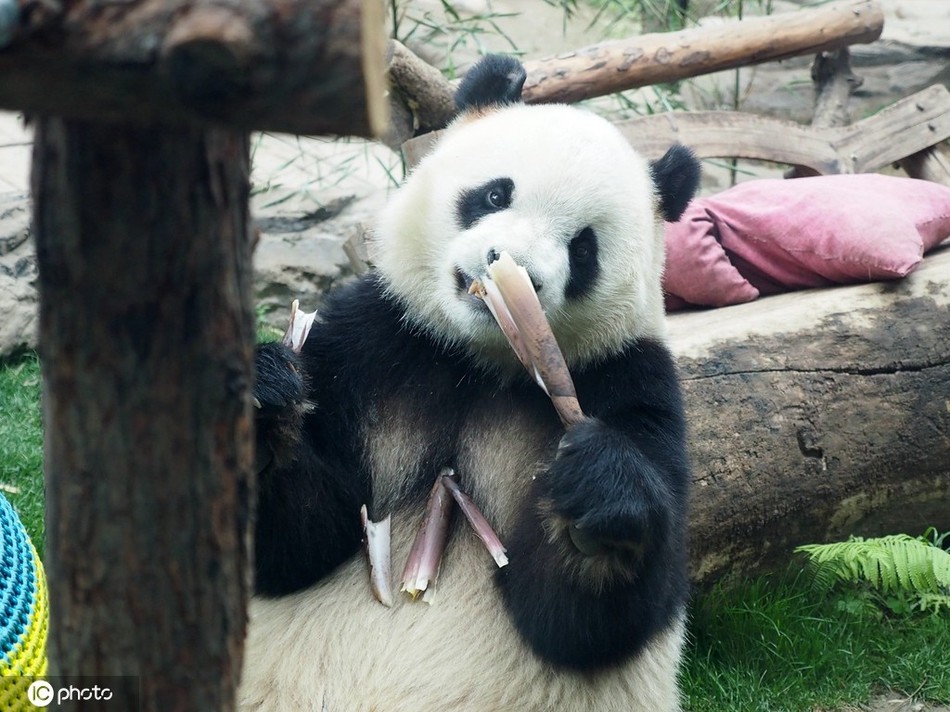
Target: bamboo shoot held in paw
299,327
376,542
510,296
425,556
475,517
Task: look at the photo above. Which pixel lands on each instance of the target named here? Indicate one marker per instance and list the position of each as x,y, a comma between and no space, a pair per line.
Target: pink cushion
768,236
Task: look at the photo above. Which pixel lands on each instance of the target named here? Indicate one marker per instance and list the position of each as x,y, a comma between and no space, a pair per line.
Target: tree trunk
815,415
146,337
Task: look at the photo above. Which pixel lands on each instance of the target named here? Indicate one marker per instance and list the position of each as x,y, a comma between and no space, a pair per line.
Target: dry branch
834,84
665,57
311,68
654,58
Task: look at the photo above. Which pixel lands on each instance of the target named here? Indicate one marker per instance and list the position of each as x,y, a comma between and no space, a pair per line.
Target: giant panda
405,373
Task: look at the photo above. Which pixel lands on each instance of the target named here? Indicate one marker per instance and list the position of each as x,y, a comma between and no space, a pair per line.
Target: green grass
776,645
771,644
21,443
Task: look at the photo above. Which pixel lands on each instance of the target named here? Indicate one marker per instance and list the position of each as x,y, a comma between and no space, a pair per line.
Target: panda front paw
279,400
608,496
279,384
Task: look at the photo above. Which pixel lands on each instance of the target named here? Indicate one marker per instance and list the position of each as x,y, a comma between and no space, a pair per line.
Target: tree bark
146,338
310,68
815,415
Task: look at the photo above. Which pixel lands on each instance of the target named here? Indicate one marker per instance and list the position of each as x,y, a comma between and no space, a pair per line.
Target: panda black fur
405,373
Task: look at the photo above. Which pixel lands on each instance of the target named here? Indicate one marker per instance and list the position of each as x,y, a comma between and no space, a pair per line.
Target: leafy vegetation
898,573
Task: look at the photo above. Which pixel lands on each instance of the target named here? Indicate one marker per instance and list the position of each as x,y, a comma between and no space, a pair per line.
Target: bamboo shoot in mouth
510,296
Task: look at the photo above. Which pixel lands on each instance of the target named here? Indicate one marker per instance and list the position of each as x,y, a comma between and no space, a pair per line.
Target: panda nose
493,256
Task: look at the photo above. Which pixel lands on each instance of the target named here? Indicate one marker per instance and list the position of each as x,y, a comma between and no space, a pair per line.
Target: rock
299,255
19,300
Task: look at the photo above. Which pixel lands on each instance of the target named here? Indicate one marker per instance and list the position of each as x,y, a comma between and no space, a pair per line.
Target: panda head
563,192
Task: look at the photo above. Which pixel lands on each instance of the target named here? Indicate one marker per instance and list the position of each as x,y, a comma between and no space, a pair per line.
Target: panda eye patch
585,267
475,203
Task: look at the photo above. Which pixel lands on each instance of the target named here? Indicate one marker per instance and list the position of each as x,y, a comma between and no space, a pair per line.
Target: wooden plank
898,131
903,129
725,134
930,164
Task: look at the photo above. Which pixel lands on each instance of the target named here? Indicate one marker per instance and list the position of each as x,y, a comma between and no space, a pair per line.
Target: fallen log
815,415
309,68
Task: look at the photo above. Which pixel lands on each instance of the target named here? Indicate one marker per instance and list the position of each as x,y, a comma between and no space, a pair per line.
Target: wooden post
146,338
140,186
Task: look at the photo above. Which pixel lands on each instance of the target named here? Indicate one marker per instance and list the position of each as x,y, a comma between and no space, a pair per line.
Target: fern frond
889,564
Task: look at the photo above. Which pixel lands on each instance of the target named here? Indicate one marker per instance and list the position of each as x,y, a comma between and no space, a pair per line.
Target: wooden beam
313,67
903,129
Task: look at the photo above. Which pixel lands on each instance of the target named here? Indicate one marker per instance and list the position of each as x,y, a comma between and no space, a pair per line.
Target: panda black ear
495,80
676,177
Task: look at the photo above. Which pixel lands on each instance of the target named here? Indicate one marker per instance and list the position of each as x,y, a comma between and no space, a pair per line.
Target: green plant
21,442
777,644
447,30
898,573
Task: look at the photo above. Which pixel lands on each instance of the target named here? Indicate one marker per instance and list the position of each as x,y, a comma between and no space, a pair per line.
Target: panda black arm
308,499
598,559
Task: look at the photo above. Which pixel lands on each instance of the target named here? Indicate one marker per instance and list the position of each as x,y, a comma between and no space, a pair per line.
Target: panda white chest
497,443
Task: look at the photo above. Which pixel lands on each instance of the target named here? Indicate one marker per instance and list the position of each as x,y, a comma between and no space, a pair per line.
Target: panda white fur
405,373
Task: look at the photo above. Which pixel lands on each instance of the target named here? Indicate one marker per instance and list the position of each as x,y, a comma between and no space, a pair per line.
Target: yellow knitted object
24,612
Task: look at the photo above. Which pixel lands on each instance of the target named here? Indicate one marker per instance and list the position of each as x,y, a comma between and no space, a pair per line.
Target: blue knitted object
24,614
